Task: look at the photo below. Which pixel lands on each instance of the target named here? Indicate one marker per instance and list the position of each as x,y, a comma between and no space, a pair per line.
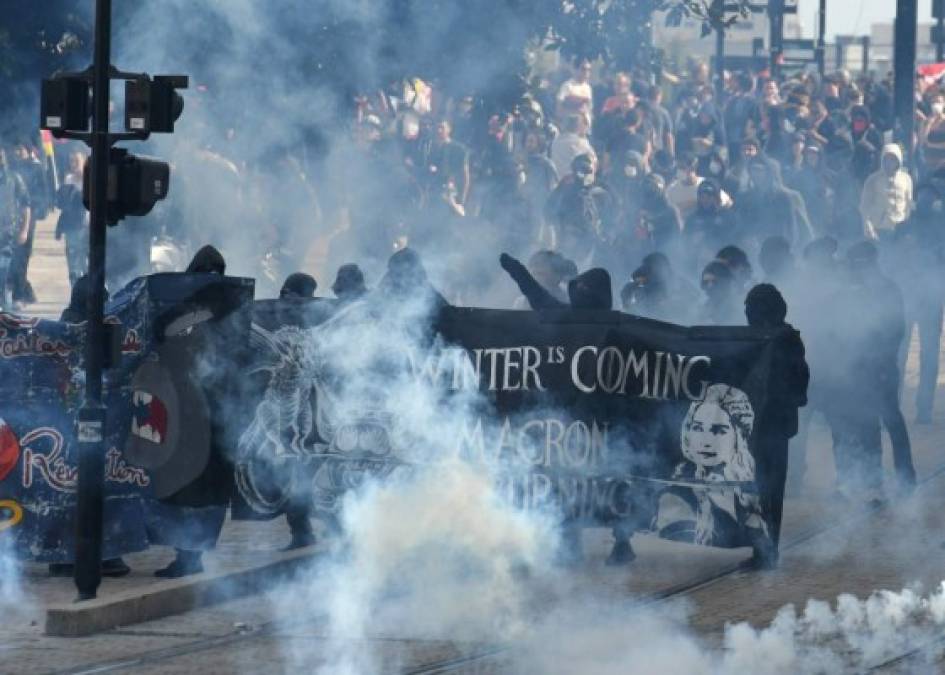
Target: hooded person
815,183
861,127
659,222
349,283
919,260
863,161
190,520
590,290
77,311
720,307
208,260
887,196
766,309
766,208
580,210
656,292
298,285
406,278
709,227
737,261
868,320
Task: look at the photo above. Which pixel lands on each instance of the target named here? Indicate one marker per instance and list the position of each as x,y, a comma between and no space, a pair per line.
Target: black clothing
919,255
590,290
208,260
765,308
578,213
298,285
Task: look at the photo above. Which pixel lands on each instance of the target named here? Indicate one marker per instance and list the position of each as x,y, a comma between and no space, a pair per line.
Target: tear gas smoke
13,601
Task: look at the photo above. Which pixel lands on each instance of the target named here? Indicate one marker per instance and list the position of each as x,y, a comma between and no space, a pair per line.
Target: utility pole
776,17
906,25
821,51
938,31
91,420
719,64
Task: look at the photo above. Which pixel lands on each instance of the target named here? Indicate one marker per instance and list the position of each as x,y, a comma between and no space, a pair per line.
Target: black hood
591,290
208,260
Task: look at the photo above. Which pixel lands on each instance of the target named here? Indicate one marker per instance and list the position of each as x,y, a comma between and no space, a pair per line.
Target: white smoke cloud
12,597
434,555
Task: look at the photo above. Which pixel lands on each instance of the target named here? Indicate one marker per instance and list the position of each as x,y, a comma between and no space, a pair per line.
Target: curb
174,596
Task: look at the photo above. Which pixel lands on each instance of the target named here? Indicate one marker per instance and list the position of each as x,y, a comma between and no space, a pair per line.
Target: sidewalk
47,271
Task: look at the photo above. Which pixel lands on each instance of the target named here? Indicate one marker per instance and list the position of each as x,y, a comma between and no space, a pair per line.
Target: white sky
853,17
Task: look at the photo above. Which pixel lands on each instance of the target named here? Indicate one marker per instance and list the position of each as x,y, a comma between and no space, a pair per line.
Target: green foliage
38,38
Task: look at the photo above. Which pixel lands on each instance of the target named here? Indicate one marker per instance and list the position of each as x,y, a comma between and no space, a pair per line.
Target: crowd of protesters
687,200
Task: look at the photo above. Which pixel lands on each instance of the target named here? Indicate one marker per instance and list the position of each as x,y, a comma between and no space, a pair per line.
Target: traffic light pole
91,420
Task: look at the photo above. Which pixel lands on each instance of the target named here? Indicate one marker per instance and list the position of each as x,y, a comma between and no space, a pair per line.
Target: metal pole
822,38
776,16
719,65
939,39
907,16
91,422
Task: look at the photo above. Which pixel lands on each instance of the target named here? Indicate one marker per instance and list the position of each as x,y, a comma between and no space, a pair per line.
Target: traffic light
135,185
154,105
64,105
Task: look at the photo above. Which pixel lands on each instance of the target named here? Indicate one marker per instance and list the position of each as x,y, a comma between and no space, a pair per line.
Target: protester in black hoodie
765,308
590,290
298,285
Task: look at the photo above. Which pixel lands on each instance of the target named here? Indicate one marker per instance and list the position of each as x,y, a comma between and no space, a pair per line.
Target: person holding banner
765,308
191,519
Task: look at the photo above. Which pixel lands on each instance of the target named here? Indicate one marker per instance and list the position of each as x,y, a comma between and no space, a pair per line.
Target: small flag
49,151
47,139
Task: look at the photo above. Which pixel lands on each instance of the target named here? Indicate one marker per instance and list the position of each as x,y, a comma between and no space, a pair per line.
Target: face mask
587,179
938,107
789,126
630,171
715,167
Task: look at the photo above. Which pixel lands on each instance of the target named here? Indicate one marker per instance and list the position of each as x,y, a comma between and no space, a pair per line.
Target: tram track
478,659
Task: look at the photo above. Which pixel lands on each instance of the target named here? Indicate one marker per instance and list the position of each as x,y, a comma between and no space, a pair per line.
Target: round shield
170,425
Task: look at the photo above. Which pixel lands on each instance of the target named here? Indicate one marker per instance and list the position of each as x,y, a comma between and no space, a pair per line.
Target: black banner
604,417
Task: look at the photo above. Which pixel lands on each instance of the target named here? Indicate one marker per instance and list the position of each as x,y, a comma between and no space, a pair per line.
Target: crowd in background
685,197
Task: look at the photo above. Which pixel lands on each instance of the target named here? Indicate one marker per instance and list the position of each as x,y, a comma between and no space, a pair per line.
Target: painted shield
9,450
170,425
